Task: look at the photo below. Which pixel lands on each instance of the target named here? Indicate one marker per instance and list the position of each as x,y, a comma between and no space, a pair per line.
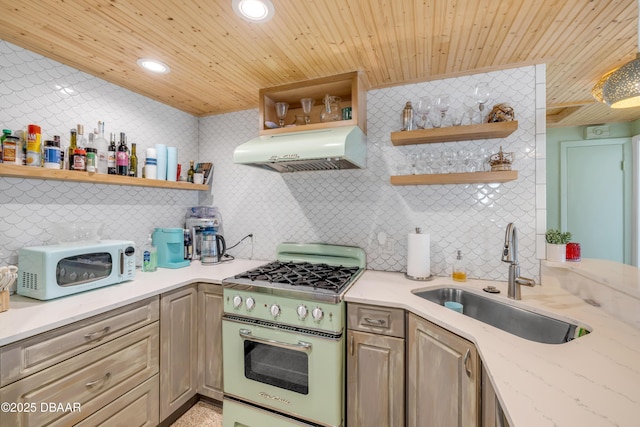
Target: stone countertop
591,381
27,317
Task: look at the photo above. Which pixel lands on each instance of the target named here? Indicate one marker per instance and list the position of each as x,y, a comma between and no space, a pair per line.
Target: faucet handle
525,281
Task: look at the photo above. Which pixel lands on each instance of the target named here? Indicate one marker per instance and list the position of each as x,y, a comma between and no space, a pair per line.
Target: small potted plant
557,245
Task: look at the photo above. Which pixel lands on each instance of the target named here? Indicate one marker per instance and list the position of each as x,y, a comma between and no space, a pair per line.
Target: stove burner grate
317,276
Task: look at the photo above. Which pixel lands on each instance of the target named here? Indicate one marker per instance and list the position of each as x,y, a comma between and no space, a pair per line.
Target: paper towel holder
419,278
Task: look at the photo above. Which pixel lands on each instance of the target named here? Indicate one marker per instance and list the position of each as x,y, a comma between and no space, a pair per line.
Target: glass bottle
149,256
81,139
133,161
190,172
331,111
102,145
111,155
5,133
73,144
459,272
122,156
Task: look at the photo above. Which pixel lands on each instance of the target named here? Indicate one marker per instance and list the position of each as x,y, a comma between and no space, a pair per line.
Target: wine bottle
111,156
122,156
101,143
72,148
133,161
190,172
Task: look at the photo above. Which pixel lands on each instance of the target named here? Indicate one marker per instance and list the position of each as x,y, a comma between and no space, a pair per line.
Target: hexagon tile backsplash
353,207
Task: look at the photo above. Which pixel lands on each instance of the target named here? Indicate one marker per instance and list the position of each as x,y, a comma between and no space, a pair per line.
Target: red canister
34,145
573,251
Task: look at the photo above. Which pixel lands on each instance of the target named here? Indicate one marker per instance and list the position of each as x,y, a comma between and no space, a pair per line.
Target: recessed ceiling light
254,10
153,65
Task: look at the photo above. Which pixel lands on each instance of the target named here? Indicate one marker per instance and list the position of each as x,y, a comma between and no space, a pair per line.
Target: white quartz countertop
27,316
591,381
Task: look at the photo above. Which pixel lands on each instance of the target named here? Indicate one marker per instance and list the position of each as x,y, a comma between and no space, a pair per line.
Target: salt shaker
407,117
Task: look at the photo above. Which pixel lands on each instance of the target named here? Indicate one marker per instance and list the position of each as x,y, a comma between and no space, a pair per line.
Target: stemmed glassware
423,109
442,104
281,112
307,104
481,95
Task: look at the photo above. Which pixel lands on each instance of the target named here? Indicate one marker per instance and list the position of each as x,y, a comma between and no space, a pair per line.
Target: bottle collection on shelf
92,154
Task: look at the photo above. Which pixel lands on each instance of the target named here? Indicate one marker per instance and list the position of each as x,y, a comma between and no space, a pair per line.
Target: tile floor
202,414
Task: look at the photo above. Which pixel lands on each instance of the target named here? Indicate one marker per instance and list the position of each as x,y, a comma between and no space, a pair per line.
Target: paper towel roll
172,163
162,161
419,255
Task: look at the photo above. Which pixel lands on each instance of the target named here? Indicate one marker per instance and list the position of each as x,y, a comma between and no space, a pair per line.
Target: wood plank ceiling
219,61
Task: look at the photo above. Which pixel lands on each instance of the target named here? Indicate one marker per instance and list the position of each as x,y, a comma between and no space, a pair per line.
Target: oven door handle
301,346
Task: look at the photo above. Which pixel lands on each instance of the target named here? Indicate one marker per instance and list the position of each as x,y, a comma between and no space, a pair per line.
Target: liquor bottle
133,161
73,144
190,172
101,143
111,156
81,139
122,156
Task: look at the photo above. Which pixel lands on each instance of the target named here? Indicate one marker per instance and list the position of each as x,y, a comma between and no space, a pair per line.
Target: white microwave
47,272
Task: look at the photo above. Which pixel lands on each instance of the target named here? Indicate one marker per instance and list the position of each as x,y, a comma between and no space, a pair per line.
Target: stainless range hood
324,149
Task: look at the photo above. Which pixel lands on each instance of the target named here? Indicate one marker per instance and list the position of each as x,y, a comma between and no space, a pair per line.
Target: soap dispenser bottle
149,256
459,272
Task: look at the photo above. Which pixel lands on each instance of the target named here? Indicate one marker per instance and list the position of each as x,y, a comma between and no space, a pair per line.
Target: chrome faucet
510,255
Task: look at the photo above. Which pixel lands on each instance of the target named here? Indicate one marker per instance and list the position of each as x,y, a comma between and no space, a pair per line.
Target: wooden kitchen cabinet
375,366
210,310
350,87
178,349
90,381
492,413
443,377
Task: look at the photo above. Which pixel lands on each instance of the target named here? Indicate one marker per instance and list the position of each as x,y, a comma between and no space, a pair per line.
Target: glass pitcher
331,111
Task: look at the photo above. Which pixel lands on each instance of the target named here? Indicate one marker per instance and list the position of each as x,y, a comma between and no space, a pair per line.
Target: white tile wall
348,207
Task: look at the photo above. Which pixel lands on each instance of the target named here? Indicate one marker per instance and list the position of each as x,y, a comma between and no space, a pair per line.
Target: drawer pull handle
97,334
100,381
377,322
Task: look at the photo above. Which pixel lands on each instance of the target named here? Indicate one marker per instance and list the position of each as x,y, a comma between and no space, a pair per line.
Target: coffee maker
197,219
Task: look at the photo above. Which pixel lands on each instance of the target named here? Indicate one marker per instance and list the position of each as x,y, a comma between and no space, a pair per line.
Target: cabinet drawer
378,320
34,354
139,407
90,380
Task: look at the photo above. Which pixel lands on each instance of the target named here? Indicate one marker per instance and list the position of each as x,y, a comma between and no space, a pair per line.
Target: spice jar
92,155
9,148
79,159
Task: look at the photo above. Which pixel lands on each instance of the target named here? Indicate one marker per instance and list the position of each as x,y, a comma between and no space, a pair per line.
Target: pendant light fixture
622,88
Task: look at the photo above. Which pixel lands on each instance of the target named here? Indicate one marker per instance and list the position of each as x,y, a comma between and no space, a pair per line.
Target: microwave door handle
301,346
121,263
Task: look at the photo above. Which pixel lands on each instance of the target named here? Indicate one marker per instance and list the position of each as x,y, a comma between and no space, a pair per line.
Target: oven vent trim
282,326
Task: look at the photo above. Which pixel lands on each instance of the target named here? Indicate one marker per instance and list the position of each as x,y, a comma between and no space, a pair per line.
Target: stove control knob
275,310
250,303
237,301
303,312
317,314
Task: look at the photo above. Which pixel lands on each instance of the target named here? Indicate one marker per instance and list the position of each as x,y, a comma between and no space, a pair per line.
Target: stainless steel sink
515,320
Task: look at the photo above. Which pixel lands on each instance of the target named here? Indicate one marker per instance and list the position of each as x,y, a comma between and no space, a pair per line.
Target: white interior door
595,197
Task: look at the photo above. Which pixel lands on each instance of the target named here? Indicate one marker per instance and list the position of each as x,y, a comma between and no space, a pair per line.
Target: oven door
291,372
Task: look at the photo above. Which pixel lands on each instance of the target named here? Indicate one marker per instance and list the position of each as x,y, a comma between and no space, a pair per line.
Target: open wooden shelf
454,133
17,171
455,178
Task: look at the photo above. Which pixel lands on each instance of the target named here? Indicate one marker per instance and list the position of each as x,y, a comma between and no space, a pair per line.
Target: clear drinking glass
481,94
442,104
307,104
423,109
281,112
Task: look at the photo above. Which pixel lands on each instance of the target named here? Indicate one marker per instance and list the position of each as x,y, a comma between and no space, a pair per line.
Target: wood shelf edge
17,171
455,178
454,133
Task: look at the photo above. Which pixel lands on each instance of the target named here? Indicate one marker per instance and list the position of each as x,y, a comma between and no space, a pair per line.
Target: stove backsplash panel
362,208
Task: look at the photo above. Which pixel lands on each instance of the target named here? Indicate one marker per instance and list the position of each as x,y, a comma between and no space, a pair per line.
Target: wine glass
423,109
281,112
307,104
481,95
442,104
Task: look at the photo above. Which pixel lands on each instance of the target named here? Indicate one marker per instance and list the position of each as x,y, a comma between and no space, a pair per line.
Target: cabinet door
443,377
178,348
210,312
375,380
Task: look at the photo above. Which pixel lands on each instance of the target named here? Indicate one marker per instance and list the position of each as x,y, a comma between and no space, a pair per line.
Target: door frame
627,213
